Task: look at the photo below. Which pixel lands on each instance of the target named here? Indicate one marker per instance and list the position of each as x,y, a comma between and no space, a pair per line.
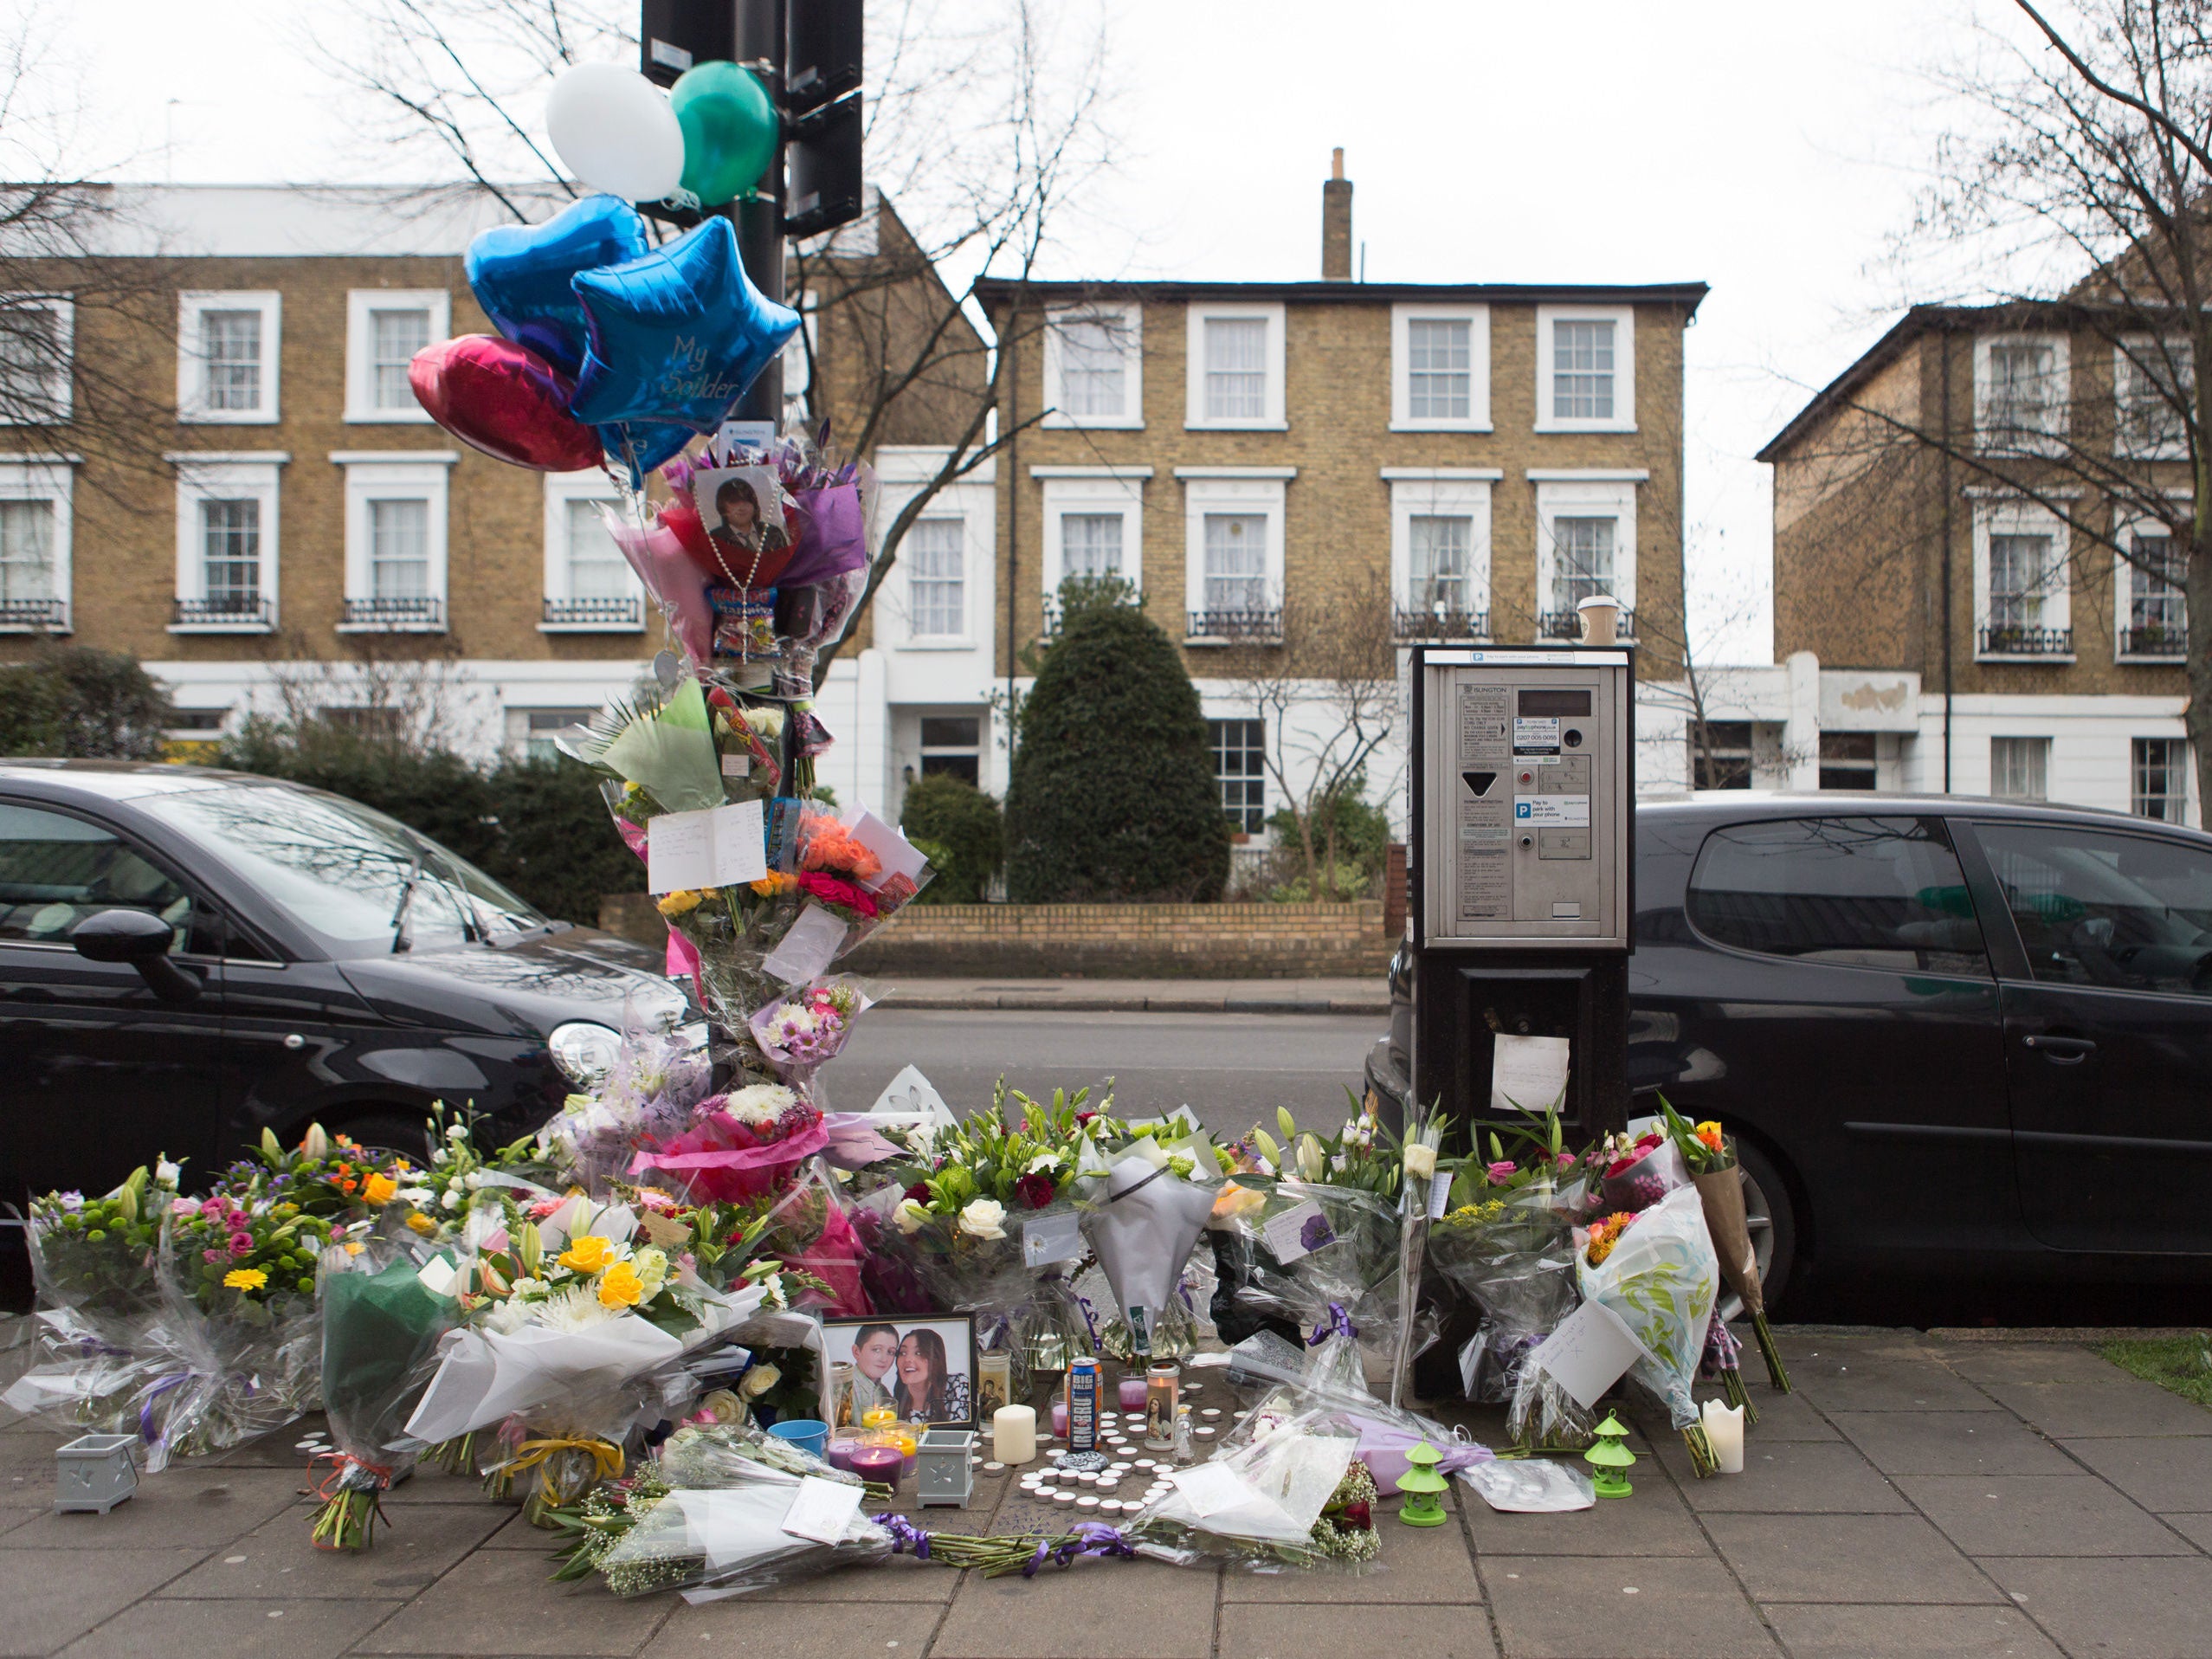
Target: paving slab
1952,1442
1885,1379
1842,1632
200,1508
826,1630
1094,1609
49,1597
1435,1558
2120,1407
1248,1631
1783,1416
1786,1478
2167,1476
2037,1514
2028,1362
2117,1609
1846,1559
498,1602
236,1629
2196,1528
278,1560
1651,1521
1646,1606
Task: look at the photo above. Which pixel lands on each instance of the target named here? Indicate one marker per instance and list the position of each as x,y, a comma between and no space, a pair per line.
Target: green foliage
558,848
2183,1363
1363,842
961,829
1113,795
1077,596
86,704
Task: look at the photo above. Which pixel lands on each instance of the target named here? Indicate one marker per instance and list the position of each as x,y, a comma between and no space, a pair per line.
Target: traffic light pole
760,222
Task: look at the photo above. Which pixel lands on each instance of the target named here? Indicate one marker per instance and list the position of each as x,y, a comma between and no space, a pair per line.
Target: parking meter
1522,870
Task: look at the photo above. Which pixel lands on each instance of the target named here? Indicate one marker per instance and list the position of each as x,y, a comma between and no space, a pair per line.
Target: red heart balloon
505,400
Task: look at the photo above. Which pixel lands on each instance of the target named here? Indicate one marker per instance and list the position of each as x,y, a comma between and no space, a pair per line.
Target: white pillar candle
1013,1433
1723,1427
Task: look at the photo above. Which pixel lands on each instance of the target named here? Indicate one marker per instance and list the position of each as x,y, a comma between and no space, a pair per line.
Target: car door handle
2061,1050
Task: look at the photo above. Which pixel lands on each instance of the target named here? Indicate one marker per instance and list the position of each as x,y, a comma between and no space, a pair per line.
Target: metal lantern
95,1473
943,1471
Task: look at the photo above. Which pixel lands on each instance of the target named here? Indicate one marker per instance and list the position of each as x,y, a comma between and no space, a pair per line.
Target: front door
99,1073
2108,1043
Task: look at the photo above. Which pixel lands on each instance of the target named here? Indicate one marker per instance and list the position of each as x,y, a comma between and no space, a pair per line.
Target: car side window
55,870
1860,892
2129,912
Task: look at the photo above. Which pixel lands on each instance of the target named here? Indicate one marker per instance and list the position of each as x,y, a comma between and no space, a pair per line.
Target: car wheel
393,1131
1772,1224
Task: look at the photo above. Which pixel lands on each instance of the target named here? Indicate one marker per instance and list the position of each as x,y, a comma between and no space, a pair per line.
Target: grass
2183,1363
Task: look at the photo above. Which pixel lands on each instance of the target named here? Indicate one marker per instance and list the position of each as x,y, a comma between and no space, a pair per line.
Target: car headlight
584,1052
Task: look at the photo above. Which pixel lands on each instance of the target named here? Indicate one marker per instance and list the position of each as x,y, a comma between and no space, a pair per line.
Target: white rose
911,1217
1045,1161
167,1173
759,1381
652,1265
985,1219
1420,1160
450,1199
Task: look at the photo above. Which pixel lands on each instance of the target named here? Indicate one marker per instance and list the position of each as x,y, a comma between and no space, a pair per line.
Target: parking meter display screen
1553,704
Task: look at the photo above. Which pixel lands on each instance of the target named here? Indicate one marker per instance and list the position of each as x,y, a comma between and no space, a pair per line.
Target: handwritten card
1440,1195
822,1510
1588,1352
912,1096
810,946
1051,1238
1299,1231
720,847
1527,1072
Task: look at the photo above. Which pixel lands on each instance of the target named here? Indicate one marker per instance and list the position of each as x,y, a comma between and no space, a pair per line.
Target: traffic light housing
821,52
675,35
823,169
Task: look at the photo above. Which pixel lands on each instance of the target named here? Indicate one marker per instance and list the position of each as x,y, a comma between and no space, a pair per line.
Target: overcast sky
1768,149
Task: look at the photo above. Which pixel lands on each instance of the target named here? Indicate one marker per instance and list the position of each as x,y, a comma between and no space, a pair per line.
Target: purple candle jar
839,1454
1059,1418
882,1464
1130,1393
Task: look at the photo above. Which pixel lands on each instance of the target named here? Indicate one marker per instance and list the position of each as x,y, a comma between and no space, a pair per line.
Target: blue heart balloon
521,275
677,335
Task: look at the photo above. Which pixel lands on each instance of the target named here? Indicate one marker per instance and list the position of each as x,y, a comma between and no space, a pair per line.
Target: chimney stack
1336,222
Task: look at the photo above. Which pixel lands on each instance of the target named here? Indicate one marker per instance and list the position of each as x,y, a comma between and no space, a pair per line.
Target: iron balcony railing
225,611
1238,627
2155,639
2019,639
418,611
1437,623
1568,624
621,613
34,613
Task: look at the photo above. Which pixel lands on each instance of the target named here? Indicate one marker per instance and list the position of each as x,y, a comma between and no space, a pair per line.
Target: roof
996,292
1706,806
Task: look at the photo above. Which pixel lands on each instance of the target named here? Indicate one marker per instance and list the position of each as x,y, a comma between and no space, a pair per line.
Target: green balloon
730,130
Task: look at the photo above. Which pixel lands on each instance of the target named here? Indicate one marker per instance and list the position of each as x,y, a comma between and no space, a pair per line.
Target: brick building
1994,650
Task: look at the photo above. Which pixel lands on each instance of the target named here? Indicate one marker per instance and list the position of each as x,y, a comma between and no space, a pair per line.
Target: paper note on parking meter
1527,1073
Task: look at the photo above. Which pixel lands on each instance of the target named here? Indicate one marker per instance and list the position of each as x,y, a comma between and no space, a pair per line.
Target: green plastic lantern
730,130
1424,1488
1611,1460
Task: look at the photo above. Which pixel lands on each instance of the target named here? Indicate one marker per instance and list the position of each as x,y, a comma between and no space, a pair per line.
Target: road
1233,1070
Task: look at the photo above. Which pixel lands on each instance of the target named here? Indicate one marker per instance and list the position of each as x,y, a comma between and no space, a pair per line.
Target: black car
1953,1036
190,957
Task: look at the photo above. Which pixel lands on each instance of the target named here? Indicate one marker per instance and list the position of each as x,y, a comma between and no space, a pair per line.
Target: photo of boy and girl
921,1371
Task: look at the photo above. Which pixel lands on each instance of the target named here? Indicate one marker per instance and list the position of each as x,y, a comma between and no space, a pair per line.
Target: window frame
1100,491
561,490
361,407
1448,494
394,475
1272,417
64,304
2016,516
924,751
1257,490
192,406
2029,738
205,476
2125,351
1131,318
1477,418
1624,418
2049,442
2125,575
1560,498
1244,832
2182,770
965,538
51,479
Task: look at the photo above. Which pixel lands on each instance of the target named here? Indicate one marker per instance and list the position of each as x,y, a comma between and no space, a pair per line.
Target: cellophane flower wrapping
1029,1312
1142,1222
658,1079
1282,1380
1661,1277
1353,1268
737,1147
710,1543
1286,1465
1515,1257
1640,1174
810,1231
382,1325
803,1032
705,1456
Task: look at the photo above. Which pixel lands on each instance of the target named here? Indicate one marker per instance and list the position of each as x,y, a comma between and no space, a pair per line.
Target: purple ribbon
1089,1538
1090,1318
1336,1323
147,1431
905,1536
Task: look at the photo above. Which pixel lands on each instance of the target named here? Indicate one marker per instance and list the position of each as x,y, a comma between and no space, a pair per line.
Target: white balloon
616,131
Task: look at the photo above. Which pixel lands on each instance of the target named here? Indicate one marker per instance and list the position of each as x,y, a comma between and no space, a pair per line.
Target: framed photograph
742,509
923,1368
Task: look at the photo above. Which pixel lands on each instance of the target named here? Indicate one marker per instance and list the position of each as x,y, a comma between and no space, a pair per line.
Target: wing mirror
142,941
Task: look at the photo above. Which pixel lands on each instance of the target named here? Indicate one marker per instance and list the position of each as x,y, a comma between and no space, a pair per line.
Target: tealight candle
1723,1427
881,1417
882,1464
1014,1433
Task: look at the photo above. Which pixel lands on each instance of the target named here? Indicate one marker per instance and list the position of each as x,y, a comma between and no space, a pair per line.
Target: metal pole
760,222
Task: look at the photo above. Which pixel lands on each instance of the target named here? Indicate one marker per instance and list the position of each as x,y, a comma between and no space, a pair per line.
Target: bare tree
983,125
1329,699
2079,203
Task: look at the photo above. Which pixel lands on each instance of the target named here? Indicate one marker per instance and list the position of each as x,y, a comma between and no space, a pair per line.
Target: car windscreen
340,870
1858,892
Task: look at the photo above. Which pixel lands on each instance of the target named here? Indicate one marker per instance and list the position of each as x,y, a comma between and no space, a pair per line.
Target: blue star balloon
522,274
677,335
650,443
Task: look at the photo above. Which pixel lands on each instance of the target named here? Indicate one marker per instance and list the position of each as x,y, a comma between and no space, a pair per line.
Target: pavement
1916,1495
1364,994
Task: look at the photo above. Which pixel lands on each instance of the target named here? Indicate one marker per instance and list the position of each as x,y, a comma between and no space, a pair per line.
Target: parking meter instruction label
1551,811
1483,890
1537,736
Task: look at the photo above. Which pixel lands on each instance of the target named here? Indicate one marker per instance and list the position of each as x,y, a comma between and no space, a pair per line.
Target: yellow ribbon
534,1454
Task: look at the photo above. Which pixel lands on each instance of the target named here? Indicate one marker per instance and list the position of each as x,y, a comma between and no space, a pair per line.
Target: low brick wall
1130,941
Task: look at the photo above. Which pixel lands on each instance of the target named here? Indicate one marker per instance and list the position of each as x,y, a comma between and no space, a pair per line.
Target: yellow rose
1420,1160
620,1287
379,1188
683,899
587,1253
422,1223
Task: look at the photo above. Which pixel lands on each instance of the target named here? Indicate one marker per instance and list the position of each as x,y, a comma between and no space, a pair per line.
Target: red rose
1356,1517
918,1192
1086,1117
1034,1189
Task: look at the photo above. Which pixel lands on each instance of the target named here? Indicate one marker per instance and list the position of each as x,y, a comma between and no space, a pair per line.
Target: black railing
1440,625
2155,640
2018,639
416,612
617,613
228,610
1241,627
1568,624
34,613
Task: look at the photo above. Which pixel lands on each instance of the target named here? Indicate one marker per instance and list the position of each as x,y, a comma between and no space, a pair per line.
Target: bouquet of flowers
739,1146
1655,1269
708,1542
1322,1261
1257,1503
1718,1178
1636,1174
802,1032
650,1091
